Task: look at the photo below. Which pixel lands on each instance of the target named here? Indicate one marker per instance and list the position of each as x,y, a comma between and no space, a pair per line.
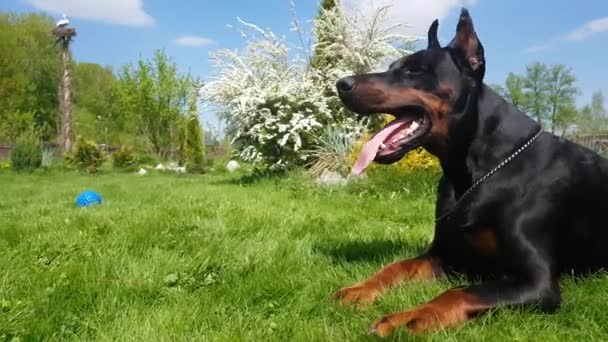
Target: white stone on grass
331,178
232,166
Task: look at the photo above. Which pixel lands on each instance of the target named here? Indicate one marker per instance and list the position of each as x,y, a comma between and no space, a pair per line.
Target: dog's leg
457,306
366,292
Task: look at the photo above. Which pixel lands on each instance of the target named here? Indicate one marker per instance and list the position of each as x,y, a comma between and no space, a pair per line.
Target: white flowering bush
276,104
354,43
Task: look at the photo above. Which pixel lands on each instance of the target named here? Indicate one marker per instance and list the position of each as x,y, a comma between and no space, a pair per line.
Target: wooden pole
66,136
66,133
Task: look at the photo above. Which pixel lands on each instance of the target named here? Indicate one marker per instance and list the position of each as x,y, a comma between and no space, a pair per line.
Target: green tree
548,94
95,113
194,143
593,118
561,96
93,86
535,83
566,117
515,91
155,94
598,108
498,88
29,76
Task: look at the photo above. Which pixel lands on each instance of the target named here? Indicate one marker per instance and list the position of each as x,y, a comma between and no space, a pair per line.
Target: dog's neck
496,130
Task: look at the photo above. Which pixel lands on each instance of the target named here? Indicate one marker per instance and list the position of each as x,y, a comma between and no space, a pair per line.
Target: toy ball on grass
88,198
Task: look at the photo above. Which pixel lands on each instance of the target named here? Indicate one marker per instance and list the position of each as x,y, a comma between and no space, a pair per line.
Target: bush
124,158
26,153
418,159
274,104
5,165
333,152
149,160
87,156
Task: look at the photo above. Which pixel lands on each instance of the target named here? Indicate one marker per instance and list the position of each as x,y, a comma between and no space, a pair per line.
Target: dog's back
578,188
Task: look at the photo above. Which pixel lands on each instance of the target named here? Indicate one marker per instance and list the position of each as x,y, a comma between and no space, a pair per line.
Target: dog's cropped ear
432,36
467,46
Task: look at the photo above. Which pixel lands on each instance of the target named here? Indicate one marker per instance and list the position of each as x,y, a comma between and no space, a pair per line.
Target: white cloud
419,14
119,12
583,32
588,29
193,41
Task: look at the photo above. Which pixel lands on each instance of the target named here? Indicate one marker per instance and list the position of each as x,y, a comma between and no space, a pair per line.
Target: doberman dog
516,206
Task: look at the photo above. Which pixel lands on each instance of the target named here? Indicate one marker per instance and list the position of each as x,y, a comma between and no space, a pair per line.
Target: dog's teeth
405,133
382,146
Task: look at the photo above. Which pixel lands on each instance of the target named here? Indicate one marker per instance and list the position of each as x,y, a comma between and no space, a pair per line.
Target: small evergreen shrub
87,156
26,154
194,146
124,158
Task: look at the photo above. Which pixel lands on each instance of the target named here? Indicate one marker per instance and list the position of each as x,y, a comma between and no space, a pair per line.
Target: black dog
516,207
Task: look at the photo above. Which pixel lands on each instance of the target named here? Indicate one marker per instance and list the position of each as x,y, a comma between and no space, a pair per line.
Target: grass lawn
178,258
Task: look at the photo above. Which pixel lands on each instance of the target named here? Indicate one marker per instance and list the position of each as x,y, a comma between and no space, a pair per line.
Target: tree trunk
553,117
66,138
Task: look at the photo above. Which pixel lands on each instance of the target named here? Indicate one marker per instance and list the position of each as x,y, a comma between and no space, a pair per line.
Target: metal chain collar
487,175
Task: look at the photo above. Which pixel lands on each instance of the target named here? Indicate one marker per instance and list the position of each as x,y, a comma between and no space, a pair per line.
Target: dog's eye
414,70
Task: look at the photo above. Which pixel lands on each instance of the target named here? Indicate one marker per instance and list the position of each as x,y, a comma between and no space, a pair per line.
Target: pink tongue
369,150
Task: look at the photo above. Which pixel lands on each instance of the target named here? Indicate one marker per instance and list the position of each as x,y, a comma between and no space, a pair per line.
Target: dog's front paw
383,327
359,294
421,319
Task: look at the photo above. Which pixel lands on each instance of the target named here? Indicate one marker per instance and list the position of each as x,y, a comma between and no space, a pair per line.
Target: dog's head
425,91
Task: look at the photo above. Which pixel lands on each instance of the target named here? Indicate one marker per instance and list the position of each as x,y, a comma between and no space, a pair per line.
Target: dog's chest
476,251
482,241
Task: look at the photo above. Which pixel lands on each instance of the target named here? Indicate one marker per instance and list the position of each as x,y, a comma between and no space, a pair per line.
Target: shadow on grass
368,251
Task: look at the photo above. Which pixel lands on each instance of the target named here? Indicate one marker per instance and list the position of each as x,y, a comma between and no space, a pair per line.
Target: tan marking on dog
452,308
367,291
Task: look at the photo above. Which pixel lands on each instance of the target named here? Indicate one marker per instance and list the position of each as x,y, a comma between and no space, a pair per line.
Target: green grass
180,258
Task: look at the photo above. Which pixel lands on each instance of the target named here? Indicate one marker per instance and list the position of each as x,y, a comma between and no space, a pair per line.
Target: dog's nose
346,84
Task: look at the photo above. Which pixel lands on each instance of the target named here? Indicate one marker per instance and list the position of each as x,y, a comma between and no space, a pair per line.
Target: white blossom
274,103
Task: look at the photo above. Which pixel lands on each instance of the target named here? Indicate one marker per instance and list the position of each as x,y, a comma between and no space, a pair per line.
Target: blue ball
87,198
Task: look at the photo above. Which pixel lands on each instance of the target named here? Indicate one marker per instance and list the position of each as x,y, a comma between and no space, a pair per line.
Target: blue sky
514,32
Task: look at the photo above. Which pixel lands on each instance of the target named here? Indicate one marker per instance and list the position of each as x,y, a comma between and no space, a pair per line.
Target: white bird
63,22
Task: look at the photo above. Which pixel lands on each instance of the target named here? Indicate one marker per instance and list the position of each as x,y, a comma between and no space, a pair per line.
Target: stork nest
65,33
